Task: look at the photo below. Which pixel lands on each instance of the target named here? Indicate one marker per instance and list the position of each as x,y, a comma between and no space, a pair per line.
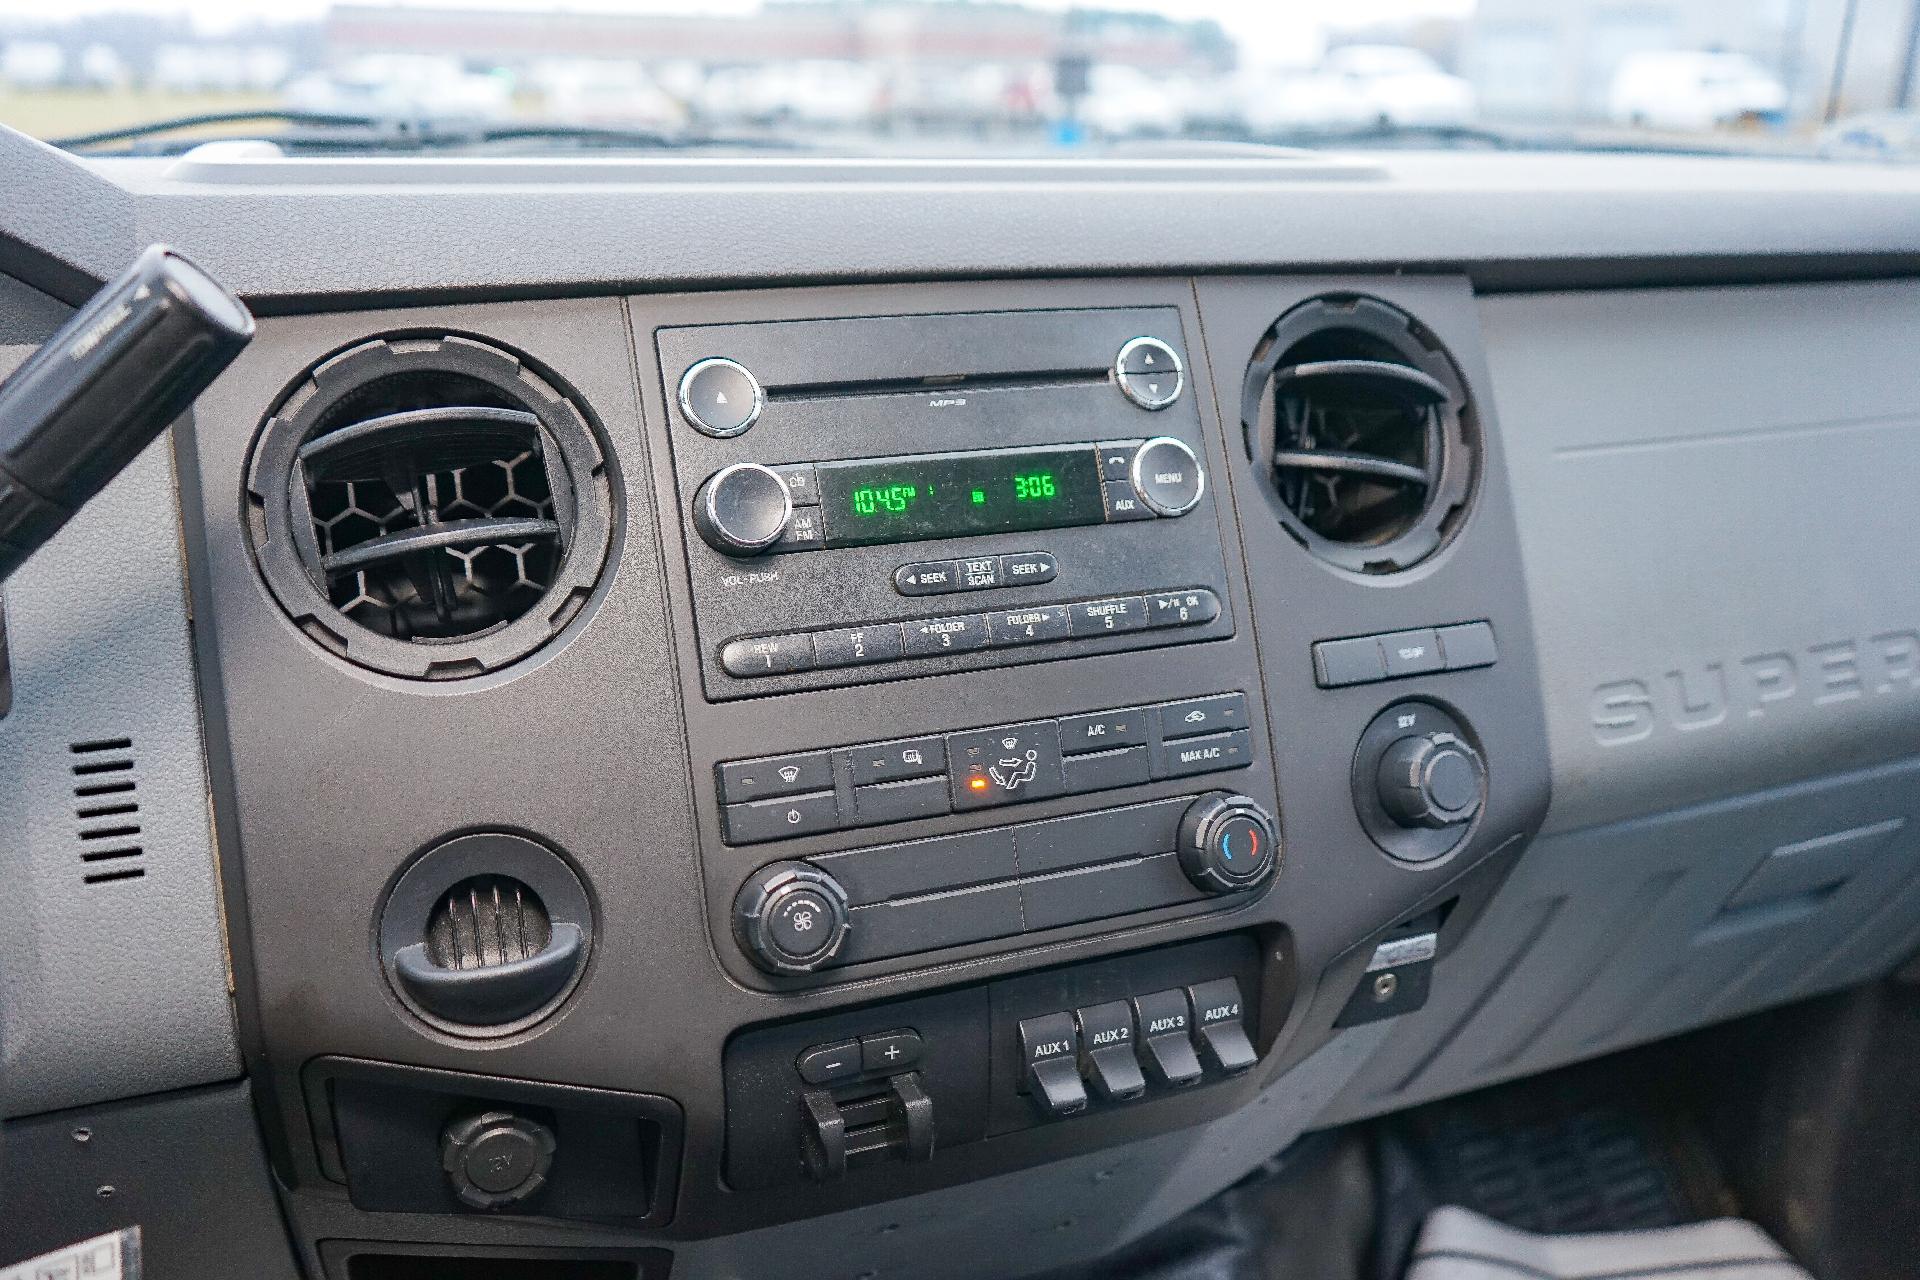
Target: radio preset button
930,637
1028,626
978,573
1109,616
1027,568
1004,765
925,578
1123,503
768,655
857,646
1182,608
1166,474
720,398
891,761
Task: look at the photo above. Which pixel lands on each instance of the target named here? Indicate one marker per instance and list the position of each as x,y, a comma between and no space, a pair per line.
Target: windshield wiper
313,132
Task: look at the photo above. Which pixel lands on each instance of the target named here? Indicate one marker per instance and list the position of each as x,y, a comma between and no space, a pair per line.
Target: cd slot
938,383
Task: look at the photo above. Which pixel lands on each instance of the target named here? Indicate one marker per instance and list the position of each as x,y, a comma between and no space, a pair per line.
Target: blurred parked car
1677,90
599,91
1401,86
1266,103
405,87
32,64
1125,102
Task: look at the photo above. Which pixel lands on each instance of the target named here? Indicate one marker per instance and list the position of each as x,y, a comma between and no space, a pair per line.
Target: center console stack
882,499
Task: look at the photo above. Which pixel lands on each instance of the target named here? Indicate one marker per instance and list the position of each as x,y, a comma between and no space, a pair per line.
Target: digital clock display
953,495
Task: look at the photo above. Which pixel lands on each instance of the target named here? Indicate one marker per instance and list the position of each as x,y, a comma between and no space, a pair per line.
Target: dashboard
832,718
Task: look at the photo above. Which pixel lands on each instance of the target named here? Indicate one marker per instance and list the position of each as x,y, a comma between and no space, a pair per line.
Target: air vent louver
429,506
486,922
106,810
1363,424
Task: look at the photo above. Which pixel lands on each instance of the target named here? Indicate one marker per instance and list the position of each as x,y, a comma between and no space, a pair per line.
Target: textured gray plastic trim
1622,934
352,232
186,1168
1710,487
119,987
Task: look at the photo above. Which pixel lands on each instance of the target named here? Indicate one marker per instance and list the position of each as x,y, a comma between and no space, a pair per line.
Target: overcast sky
1257,22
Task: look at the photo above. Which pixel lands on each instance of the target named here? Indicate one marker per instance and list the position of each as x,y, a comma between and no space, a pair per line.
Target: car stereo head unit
837,478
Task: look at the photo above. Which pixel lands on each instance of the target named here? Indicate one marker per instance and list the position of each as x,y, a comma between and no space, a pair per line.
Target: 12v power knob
1431,780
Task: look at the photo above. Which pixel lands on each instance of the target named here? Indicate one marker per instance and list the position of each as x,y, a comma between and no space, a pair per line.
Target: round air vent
429,506
1364,429
485,935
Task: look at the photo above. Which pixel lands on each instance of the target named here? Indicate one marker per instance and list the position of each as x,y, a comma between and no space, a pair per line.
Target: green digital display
947,495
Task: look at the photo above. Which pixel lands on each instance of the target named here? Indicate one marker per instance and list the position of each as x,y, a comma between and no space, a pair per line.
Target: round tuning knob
1227,843
790,917
1432,780
742,509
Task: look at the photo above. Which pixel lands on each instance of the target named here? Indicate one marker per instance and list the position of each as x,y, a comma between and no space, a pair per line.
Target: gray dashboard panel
113,987
358,232
1711,486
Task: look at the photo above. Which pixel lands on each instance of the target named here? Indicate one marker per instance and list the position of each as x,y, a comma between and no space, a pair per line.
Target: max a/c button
1184,756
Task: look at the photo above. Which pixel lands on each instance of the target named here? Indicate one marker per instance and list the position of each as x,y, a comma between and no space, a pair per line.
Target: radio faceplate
903,470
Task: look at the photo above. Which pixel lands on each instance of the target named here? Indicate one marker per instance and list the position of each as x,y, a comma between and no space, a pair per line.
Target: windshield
1825,77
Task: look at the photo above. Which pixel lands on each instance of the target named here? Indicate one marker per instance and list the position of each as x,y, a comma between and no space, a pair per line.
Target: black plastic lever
99,390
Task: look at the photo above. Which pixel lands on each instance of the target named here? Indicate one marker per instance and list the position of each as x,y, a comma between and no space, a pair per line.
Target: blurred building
1555,59
810,30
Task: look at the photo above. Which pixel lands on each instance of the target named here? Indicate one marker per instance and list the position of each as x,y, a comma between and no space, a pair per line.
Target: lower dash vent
106,810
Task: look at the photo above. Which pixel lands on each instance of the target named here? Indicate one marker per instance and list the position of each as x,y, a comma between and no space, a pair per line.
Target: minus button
826,1063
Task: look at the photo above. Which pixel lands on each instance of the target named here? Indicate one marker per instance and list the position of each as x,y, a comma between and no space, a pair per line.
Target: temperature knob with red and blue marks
1228,843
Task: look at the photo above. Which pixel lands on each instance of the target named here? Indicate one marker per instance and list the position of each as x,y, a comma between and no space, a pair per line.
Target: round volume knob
742,509
1166,474
1227,843
790,917
1432,780
496,1159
